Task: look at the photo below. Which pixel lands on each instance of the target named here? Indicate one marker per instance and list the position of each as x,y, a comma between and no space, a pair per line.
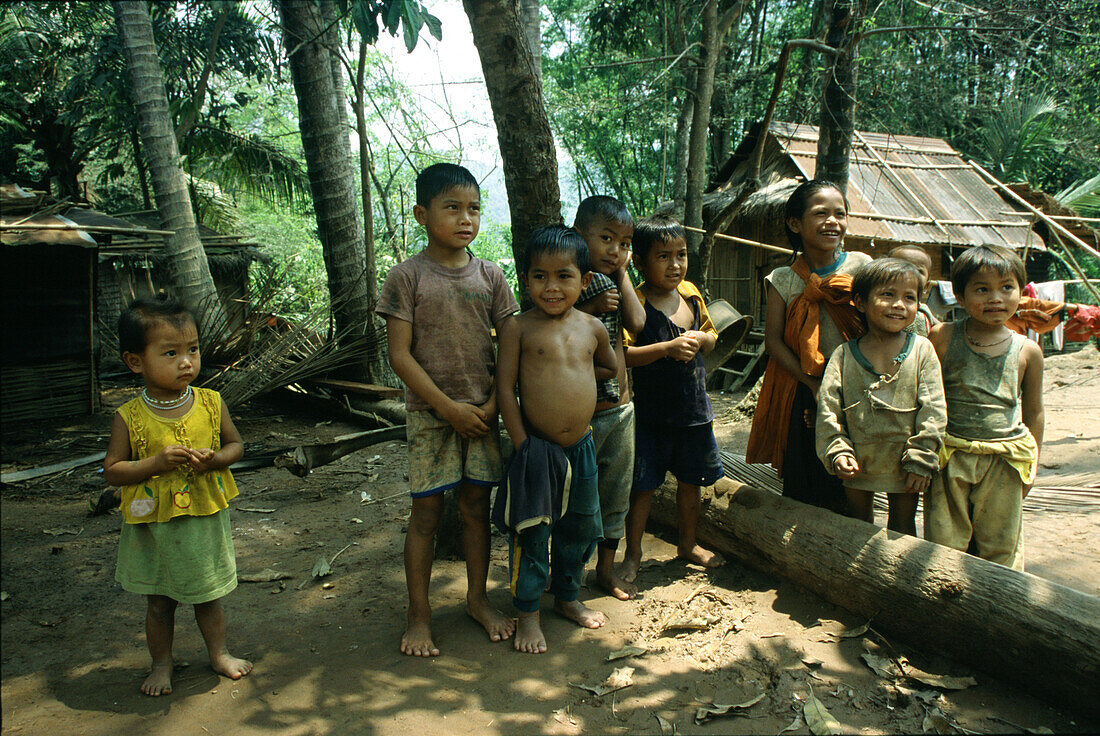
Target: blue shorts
689,453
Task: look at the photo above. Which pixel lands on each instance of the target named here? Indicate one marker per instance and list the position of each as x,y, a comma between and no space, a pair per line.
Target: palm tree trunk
322,118
519,111
190,270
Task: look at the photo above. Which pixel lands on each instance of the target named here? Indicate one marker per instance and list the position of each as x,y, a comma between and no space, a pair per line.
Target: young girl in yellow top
170,453
809,314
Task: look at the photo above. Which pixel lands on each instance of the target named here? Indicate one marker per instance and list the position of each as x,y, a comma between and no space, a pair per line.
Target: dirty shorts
440,458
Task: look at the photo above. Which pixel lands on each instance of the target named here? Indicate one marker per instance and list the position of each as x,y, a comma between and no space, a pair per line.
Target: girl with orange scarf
809,314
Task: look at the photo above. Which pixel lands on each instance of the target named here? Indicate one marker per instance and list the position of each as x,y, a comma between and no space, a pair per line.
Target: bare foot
529,636
614,584
587,617
159,681
701,556
628,570
232,667
498,626
417,640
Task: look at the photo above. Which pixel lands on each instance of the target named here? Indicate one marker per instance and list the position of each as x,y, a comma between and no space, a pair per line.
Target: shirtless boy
556,353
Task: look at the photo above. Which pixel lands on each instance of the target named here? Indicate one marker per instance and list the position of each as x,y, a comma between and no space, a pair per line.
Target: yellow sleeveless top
180,492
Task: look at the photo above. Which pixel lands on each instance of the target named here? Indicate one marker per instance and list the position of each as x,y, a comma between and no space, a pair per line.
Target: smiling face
991,297
170,360
665,265
608,244
452,218
890,307
555,282
823,223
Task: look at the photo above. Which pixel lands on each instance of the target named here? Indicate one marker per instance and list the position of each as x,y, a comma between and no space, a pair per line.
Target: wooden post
1042,636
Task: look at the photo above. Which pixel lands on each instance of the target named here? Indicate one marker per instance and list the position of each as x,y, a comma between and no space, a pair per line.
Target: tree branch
191,113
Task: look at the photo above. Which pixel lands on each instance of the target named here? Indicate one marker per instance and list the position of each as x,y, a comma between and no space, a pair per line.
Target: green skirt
189,559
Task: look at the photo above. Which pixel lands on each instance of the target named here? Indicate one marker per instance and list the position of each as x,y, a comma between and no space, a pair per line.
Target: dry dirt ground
326,655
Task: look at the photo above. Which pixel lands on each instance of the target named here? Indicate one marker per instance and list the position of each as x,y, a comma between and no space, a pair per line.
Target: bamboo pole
1034,210
912,164
929,221
88,228
886,166
742,241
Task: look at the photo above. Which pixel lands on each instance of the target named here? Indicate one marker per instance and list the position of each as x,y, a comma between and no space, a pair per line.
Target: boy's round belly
558,404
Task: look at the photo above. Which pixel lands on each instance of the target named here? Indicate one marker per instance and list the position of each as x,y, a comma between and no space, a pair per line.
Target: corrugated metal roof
914,190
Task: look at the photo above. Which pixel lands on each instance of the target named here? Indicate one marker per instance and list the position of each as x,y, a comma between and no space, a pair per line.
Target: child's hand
916,483
683,348
468,420
846,466
200,459
605,301
171,457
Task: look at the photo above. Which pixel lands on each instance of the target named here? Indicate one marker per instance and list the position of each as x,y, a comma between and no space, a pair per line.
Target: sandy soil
327,662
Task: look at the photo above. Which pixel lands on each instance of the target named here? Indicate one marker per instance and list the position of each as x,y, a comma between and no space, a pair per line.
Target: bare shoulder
1031,356
940,337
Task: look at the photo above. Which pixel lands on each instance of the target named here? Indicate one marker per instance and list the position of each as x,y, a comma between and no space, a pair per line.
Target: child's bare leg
903,513
473,504
160,628
636,518
529,636
580,614
687,548
606,577
419,548
861,505
211,619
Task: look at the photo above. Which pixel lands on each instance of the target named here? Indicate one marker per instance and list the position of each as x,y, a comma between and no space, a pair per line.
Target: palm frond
1083,197
212,207
243,162
1016,135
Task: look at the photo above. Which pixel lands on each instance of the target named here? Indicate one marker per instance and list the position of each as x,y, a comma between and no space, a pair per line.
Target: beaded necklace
168,404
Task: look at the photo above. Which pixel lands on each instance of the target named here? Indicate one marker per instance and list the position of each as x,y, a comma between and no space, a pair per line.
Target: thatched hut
901,190
69,271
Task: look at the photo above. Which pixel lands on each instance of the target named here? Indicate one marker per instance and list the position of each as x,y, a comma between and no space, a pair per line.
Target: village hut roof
65,224
903,189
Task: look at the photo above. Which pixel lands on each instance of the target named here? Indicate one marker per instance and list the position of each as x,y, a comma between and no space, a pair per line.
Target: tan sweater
893,425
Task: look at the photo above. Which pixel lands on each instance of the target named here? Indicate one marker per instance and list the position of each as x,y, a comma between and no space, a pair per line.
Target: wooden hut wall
47,368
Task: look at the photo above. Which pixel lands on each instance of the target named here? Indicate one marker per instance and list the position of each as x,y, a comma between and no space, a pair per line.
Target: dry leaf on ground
706,712
628,651
621,678
818,717
267,575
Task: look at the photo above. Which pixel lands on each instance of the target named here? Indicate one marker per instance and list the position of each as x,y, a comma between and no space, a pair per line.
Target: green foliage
407,15
1083,197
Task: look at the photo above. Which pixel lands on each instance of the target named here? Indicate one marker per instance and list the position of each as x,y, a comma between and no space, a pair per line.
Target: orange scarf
770,423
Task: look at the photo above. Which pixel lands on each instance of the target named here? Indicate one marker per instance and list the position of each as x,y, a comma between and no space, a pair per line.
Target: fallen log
1016,626
305,458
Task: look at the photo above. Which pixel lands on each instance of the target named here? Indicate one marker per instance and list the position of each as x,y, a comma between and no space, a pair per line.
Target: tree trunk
713,33
523,130
1016,626
838,100
532,31
323,122
190,270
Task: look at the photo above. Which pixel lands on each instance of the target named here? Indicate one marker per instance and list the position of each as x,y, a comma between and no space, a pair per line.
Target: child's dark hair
438,178
136,319
995,257
554,239
883,271
653,230
601,207
797,203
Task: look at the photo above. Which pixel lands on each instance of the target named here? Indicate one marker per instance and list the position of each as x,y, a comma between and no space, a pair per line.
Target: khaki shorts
440,458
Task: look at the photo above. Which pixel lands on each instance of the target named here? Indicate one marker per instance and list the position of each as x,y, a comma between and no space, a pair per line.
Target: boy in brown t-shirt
440,306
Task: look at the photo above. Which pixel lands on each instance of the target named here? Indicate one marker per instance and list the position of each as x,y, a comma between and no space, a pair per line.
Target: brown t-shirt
452,311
